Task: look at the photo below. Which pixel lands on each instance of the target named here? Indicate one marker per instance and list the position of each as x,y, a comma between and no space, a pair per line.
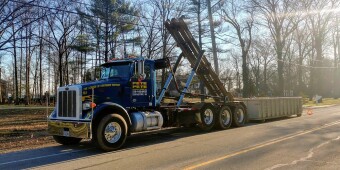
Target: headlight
88,105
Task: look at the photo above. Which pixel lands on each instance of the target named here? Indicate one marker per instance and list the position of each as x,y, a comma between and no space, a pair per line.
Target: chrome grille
67,104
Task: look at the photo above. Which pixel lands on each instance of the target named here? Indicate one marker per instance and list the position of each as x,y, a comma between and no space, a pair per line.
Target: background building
3,91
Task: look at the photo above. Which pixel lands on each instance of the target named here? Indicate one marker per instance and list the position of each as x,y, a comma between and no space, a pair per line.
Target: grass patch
23,129
325,102
11,106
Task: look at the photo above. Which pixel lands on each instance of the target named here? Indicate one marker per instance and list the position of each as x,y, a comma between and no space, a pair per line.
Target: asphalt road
307,142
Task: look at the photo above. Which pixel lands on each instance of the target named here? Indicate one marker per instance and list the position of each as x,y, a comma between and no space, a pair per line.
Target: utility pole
213,37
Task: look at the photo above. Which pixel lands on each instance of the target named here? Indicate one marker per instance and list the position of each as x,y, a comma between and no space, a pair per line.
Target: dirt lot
23,129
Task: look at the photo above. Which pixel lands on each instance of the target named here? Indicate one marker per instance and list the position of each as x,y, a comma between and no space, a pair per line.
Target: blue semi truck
125,99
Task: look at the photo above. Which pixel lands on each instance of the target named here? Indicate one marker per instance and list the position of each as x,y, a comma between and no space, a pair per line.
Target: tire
239,116
111,132
224,118
66,140
207,118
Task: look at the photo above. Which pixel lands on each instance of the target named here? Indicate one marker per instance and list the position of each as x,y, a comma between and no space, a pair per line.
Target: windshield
115,71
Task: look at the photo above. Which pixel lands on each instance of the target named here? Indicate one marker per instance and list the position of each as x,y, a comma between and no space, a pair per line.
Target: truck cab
129,83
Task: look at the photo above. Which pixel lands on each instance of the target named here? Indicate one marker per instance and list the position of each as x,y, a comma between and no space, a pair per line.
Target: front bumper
70,129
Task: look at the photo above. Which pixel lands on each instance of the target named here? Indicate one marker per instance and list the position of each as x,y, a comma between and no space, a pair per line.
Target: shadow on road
258,122
56,154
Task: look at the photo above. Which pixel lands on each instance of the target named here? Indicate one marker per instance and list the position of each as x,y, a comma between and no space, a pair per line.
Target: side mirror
162,63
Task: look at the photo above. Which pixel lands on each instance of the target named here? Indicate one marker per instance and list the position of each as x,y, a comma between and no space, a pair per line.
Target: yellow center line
261,146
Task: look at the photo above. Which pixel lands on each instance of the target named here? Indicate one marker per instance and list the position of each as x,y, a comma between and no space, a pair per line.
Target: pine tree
108,20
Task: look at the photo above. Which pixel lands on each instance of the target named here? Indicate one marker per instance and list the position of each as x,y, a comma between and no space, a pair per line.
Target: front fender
109,108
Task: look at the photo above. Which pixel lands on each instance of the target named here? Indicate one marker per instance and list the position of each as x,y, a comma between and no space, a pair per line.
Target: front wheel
66,140
239,116
111,132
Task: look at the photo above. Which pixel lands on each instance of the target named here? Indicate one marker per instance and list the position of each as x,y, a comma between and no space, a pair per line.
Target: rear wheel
207,118
111,132
66,140
224,118
239,116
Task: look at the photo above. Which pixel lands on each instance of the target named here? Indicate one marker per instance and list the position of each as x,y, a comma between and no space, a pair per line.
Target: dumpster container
272,107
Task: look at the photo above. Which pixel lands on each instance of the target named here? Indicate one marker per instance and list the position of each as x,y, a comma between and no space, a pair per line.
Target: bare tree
279,19
149,27
243,30
318,22
10,13
302,39
61,26
262,65
167,9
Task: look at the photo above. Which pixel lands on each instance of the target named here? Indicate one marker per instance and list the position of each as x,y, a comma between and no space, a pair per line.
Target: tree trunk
337,70
114,48
28,63
97,53
85,66
299,69
318,88
35,79
245,76
164,47
15,68
40,66
21,64
67,79
265,86
279,53
60,68
213,42
106,41
202,90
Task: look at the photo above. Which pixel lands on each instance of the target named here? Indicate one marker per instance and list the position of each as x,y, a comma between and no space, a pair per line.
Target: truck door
142,88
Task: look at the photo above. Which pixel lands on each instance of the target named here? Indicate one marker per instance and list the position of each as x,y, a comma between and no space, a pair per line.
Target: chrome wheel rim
208,116
225,117
240,115
113,132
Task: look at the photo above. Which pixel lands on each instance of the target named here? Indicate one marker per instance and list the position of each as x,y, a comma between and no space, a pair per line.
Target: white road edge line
40,157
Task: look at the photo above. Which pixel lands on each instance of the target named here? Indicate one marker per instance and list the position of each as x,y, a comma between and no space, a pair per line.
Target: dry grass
23,129
325,101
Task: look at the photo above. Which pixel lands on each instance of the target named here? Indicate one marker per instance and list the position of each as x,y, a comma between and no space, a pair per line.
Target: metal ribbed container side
67,104
272,107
